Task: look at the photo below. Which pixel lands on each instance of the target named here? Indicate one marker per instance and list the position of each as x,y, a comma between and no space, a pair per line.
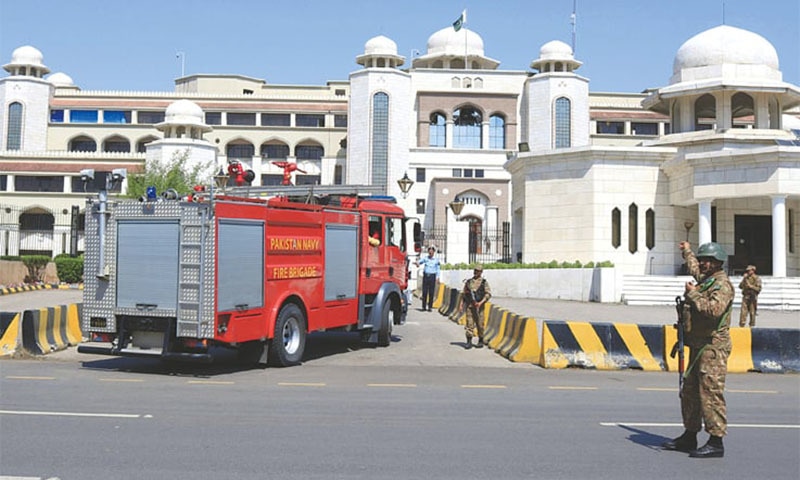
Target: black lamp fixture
221,179
405,184
456,206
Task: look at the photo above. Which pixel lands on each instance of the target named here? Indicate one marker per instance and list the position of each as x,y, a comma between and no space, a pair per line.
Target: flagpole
464,14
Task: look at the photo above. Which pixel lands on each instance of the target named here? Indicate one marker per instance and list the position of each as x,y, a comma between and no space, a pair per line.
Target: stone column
448,134
724,118
704,226
779,236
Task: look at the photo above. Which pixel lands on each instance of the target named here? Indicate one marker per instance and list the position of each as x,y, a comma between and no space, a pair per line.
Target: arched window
82,144
633,228
380,138
497,132
140,145
437,131
563,123
467,123
650,228
275,151
117,144
242,150
309,152
705,112
14,136
616,228
742,105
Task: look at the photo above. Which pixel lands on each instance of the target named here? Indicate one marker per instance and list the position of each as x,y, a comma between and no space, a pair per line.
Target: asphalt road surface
422,408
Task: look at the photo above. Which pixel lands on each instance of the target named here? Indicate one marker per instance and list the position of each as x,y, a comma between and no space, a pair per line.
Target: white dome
555,50
725,45
184,113
449,42
380,45
60,79
553,53
27,56
183,109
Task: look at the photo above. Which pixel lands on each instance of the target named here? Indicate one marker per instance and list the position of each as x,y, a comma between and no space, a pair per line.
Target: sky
144,45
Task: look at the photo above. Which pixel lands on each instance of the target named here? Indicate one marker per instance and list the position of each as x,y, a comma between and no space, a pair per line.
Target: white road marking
72,414
730,425
392,385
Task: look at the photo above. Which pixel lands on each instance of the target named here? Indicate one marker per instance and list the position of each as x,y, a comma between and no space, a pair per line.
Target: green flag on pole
461,21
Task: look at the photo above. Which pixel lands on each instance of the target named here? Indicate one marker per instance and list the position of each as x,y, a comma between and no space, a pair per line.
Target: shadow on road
645,439
226,361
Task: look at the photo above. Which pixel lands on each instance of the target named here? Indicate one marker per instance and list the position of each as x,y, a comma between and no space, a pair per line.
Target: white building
544,168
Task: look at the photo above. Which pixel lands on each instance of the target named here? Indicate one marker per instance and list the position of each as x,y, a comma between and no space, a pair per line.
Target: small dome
183,109
60,79
725,45
380,51
449,42
380,45
184,113
27,56
555,50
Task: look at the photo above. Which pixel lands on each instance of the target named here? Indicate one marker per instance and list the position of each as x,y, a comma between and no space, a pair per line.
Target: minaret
380,118
556,101
24,102
183,128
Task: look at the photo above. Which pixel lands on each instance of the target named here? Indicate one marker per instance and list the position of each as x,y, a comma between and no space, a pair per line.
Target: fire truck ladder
309,191
190,272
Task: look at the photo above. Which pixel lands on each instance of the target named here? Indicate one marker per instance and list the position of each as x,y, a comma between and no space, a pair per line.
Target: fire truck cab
250,269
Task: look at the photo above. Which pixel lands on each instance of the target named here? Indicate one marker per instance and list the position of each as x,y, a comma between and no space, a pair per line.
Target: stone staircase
776,293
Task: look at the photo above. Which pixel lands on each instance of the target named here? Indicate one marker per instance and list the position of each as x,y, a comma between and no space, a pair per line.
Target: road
422,408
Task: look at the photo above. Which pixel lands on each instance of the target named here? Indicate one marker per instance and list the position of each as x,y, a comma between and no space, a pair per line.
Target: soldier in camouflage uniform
751,287
708,337
476,293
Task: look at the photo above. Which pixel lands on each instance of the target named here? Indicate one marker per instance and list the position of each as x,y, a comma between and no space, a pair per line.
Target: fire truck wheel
287,346
385,332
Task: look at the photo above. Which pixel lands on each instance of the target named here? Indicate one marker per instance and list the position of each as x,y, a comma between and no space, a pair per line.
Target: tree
177,173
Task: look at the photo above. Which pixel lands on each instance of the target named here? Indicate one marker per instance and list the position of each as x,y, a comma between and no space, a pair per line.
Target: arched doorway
36,232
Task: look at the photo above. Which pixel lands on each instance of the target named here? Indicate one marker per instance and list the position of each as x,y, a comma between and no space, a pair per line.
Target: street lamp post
456,206
405,184
221,179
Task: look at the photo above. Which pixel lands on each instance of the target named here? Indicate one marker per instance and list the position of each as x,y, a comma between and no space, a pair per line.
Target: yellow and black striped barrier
31,288
603,346
766,350
438,295
47,330
9,333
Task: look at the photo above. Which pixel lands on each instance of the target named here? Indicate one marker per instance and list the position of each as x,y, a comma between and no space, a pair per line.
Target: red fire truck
255,269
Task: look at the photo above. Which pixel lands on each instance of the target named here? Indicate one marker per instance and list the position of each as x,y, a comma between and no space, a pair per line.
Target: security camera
87,175
118,174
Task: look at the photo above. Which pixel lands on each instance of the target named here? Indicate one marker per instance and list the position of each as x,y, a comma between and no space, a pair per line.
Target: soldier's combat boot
469,343
480,343
685,443
712,449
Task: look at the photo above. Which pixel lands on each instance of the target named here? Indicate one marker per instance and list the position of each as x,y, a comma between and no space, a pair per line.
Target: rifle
678,347
470,294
